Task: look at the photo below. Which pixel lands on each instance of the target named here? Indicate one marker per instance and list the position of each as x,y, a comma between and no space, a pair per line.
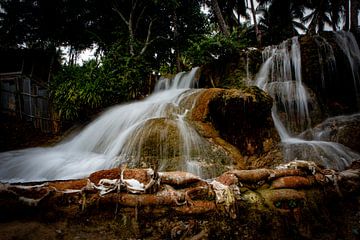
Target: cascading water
120,136
348,44
280,76
327,60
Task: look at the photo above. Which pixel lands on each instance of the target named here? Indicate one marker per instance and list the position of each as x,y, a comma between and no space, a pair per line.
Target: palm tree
351,8
346,26
320,15
217,11
228,13
279,19
257,31
327,12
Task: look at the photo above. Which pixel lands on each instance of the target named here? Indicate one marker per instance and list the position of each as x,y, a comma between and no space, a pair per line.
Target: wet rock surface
239,120
298,200
341,129
223,128
328,72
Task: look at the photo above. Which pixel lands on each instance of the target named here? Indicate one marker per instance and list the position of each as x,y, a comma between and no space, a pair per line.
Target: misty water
280,76
116,137
120,134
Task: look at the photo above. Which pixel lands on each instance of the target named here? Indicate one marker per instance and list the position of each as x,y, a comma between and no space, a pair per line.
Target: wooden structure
24,80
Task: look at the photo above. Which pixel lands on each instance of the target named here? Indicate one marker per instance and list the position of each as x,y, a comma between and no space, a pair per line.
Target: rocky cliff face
232,72
328,71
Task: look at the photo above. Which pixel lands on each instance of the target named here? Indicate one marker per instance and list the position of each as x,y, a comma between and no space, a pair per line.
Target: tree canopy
139,37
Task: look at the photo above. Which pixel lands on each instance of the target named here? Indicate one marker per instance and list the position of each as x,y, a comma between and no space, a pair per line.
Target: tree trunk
347,16
222,24
257,31
354,7
313,24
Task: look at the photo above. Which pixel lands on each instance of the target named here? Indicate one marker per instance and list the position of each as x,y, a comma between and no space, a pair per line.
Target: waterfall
119,136
280,76
348,44
327,60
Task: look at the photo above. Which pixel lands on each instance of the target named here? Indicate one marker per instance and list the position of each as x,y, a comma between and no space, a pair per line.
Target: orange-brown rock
186,206
66,185
253,176
238,120
178,178
294,182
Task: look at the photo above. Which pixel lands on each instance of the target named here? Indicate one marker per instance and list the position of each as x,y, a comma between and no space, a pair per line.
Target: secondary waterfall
350,48
327,60
280,76
120,135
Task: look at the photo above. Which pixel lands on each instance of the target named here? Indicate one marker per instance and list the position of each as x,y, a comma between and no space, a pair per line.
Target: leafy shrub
80,91
214,47
76,90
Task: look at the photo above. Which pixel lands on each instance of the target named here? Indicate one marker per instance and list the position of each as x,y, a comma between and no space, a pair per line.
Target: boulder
239,118
341,129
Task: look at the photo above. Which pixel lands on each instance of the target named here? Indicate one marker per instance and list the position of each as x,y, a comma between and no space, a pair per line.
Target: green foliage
279,20
235,80
208,49
125,74
79,91
167,69
76,89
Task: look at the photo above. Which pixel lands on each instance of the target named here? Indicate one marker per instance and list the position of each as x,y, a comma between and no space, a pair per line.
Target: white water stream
350,48
113,138
280,76
117,136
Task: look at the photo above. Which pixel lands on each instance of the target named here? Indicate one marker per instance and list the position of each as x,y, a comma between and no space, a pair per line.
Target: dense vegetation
136,38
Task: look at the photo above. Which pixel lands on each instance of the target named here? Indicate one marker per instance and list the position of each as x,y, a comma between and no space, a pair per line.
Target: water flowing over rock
177,128
281,76
180,165
231,72
341,129
333,73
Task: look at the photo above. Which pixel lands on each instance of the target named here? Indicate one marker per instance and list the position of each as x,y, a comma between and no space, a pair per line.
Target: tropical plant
77,90
328,12
210,48
280,20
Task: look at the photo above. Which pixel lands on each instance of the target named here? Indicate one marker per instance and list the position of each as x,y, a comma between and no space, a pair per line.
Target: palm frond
308,18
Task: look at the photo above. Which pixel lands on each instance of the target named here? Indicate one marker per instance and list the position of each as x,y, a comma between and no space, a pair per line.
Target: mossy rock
160,142
234,71
243,118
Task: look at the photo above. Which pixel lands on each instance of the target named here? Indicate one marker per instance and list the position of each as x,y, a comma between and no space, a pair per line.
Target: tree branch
147,42
121,15
140,16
